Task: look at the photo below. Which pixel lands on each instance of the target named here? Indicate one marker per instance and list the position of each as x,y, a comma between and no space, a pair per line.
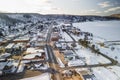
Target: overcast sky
75,7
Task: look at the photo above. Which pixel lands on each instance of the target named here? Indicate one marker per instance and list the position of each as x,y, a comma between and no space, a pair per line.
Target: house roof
31,56
33,50
68,52
10,45
5,55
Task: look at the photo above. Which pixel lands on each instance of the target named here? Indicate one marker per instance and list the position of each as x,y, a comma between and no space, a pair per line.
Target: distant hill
33,17
115,15
6,19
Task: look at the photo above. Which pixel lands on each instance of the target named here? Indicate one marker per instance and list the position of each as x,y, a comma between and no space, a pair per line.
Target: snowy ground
102,73
115,70
103,29
90,58
111,53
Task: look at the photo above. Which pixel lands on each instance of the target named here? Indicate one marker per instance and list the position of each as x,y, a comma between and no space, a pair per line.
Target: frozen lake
109,30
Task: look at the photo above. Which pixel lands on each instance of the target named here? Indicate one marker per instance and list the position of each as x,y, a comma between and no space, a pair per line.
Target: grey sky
76,7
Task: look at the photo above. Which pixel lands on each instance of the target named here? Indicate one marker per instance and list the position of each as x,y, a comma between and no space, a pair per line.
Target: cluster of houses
9,65
55,34
12,49
35,58
64,47
35,54
78,74
69,28
26,51
69,57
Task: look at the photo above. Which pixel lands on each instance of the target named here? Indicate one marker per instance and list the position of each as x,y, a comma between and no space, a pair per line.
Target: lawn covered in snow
108,30
90,57
102,73
115,54
115,70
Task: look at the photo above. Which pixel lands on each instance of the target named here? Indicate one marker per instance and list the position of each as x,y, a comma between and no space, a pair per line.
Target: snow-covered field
102,73
103,30
113,54
108,30
90,58
115,69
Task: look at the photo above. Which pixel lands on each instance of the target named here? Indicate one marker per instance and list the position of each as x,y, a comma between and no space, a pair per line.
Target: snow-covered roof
33,50
2,65
68,52
31,56
22,39
58,45
5,55
75,63
101,72
9,45
39,66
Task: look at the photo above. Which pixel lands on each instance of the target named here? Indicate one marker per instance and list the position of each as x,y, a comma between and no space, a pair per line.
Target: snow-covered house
55,29
75,31
77,62
55,36
9,47
69,55
2,65
39,66
5,55
10,36
66,27
22,39
34,56
86,74
34,50
68,52
17,48
62,46
10,67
